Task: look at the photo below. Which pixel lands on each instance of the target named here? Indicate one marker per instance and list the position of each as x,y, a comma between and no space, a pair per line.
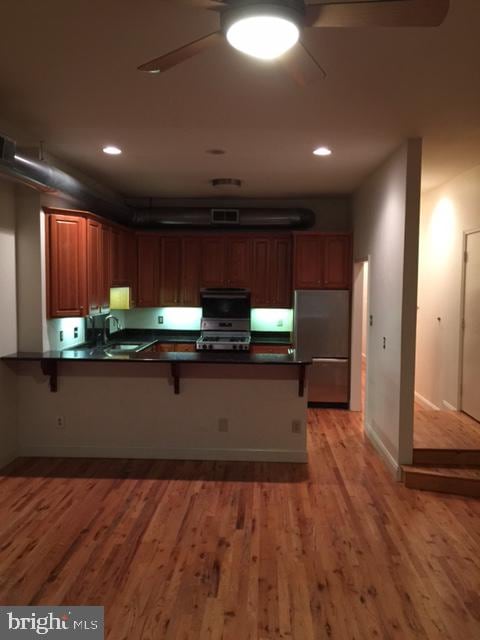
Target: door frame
462,315
356,337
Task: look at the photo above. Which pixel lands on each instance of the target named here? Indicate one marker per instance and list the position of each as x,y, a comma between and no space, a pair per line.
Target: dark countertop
201,357
165,335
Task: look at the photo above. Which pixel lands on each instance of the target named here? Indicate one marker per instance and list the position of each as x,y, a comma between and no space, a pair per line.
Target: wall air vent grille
225,216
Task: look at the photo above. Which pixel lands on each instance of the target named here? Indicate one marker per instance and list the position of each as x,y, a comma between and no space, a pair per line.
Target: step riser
447,457
458,486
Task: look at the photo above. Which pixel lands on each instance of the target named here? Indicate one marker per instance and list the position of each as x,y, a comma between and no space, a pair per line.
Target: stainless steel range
225,320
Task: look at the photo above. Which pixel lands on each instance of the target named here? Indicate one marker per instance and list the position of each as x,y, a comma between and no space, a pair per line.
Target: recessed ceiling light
112,151
322,151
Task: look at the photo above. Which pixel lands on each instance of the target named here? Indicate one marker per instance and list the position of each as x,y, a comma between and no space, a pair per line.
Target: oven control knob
210,346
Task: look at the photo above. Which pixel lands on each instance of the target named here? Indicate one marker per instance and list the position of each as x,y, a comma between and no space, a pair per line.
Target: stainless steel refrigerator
321,332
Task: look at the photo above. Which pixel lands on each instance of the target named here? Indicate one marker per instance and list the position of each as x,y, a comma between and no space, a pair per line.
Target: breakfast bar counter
167,405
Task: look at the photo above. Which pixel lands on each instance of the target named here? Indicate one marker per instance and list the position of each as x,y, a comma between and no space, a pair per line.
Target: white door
471,335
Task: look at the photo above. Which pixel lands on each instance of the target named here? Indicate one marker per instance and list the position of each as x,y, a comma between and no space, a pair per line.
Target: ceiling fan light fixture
263,36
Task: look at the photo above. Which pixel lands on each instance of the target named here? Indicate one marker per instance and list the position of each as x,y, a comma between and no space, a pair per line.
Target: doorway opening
470,338
360,324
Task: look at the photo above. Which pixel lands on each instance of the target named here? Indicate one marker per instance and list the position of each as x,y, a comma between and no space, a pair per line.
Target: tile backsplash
64,327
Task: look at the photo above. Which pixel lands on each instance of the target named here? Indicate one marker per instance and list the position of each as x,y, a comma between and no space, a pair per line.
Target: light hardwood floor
445,430
236,551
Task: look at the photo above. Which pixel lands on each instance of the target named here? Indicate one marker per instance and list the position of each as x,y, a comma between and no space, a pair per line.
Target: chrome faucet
106,324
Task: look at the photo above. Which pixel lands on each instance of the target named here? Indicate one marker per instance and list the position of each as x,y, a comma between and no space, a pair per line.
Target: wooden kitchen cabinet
238,257
271,280
337,265
322,261
94,265
170,271
66,265
191,266
271,348
106,277
148,270
213,268
122,257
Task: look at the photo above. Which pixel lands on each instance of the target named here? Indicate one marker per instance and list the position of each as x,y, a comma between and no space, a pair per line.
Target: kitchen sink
113,349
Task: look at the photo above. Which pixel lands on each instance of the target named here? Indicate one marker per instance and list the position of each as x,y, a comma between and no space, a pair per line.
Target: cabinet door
308,262
147,270
67,270
170,263
213,262
337,262
260,282
239,262
184,347
280,277
106,277
121,252
94,265
191,266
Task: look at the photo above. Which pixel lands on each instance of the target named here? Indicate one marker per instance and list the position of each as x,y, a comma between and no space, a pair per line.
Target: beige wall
8,322
386,211
130,410
446,213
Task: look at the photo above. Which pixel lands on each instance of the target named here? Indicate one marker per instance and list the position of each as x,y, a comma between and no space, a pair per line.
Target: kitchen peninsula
208,406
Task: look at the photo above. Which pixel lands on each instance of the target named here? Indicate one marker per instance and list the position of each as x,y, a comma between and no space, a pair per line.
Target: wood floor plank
244,551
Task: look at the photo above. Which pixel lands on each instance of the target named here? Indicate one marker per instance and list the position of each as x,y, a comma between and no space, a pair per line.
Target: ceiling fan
267,29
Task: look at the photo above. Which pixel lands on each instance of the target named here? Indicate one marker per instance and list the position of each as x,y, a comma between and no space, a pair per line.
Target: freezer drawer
328,380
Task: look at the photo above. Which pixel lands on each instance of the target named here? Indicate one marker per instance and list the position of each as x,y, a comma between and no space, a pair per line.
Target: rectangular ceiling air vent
225,216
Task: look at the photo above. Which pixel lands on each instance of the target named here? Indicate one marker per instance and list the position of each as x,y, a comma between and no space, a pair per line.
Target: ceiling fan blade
378,13
169,60
213,5
300,65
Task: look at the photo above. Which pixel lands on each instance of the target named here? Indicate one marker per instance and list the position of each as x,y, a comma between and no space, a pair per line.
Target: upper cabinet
86,255
271,277
66,265
322,261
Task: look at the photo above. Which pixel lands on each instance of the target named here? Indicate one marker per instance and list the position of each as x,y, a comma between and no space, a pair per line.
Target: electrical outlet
384,343
60,422
223,425
279,323
296,426
160,319
75,332
61,336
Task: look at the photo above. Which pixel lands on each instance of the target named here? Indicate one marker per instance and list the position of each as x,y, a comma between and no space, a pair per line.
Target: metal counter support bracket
175,376
49,368
301,380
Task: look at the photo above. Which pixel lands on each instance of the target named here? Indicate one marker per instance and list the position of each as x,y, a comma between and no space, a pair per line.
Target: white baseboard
150,453
385,454
426,404
448,406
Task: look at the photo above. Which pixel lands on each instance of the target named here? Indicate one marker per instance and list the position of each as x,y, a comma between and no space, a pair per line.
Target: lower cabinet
271,348
170,347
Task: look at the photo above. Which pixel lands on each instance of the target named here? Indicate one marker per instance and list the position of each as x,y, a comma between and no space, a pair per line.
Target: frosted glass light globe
264,37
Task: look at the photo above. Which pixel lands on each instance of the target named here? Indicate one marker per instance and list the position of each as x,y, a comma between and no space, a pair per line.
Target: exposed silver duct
47,178
44,177
200,217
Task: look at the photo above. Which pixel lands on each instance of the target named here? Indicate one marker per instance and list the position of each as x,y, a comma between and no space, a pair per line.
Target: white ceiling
68,76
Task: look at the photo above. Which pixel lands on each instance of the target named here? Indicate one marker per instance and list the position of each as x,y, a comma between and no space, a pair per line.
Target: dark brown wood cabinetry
86,255
191,265
213,268
271,280
322,261
66,266
94,265
147,270
170,271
